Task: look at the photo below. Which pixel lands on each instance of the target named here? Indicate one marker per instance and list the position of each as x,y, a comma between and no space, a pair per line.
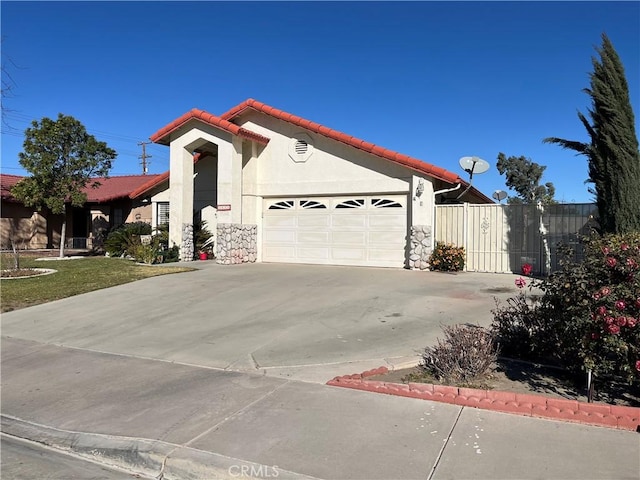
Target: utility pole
144,157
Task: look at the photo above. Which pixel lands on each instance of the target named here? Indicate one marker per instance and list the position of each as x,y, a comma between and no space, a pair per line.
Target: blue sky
434,80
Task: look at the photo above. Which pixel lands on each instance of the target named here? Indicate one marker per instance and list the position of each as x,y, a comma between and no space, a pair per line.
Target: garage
347,230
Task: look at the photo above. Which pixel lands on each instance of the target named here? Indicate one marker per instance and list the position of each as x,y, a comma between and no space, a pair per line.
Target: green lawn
73,277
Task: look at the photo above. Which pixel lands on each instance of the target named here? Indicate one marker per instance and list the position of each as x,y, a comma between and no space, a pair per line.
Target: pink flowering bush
588,317
612,342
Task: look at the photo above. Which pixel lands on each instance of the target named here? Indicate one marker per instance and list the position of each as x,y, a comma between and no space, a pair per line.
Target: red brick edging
612,416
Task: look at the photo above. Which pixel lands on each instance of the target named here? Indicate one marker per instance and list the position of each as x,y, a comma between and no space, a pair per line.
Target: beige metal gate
502,238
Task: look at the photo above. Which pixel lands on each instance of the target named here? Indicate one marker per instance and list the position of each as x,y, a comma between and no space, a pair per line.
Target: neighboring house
108,205
275,187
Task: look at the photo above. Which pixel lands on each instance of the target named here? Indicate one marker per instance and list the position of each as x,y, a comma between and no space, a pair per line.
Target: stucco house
275,187
111,204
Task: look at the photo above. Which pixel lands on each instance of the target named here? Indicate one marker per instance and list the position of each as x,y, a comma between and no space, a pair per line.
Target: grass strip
73,277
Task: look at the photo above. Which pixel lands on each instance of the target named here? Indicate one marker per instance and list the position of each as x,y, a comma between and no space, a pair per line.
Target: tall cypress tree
613,156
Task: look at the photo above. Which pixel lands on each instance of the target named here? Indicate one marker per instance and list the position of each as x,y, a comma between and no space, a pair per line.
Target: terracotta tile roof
162,135
399,158
117,187
148,185
110,188
6,182
163,177
224,122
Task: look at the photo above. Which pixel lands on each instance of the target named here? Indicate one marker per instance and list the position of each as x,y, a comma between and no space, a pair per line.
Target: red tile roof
163,177
224,122
111,188
117,187
6,182
399,158
151,183
162,135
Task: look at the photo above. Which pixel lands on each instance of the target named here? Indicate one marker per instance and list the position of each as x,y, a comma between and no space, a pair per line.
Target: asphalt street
24,460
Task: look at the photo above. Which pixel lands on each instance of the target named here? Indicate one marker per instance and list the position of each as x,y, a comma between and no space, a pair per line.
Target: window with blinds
162,213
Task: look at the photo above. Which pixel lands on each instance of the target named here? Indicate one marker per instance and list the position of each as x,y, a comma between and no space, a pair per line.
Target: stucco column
181,192
422,201
230,181
421,228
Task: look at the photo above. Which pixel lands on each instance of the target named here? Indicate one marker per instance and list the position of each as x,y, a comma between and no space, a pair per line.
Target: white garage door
358,230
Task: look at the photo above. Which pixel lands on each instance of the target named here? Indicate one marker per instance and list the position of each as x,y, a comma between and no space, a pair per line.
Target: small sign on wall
224,207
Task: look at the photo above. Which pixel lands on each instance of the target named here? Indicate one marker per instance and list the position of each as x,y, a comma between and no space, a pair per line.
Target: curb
144,457
39,272
603,415
141,456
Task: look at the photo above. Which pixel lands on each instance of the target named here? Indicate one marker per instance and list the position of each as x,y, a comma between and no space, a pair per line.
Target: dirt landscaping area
517,376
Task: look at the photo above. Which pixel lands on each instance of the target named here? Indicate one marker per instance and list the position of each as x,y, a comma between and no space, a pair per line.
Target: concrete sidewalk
156,416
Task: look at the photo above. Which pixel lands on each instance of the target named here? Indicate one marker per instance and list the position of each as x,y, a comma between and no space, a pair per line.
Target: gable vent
301,147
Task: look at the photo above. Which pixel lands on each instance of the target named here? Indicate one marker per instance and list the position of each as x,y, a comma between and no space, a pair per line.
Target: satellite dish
499,195
473,165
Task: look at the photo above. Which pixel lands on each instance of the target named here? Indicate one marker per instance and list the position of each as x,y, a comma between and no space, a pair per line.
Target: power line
119,142
27,119
144,157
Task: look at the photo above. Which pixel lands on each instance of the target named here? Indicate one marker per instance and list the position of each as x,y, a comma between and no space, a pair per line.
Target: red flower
620,305
611,262
621,321
527,269
638,365
638,302
601,310
631,263
609,320
604,291
624,247
520,282
614,329
631,322
605,250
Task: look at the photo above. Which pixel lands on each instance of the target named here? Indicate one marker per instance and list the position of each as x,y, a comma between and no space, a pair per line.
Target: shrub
202,238
465,354
522,330
447,258
610,341
588,315
148,253
203,241
171,255
126,234
162,234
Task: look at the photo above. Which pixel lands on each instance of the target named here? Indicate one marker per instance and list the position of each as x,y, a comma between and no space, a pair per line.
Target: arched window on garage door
352,203
384,203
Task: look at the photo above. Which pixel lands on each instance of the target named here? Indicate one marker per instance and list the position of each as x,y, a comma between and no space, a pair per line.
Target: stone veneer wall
420,247
236,243
187,248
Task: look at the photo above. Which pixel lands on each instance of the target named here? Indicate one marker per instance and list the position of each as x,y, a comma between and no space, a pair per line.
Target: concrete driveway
147,404
295,321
